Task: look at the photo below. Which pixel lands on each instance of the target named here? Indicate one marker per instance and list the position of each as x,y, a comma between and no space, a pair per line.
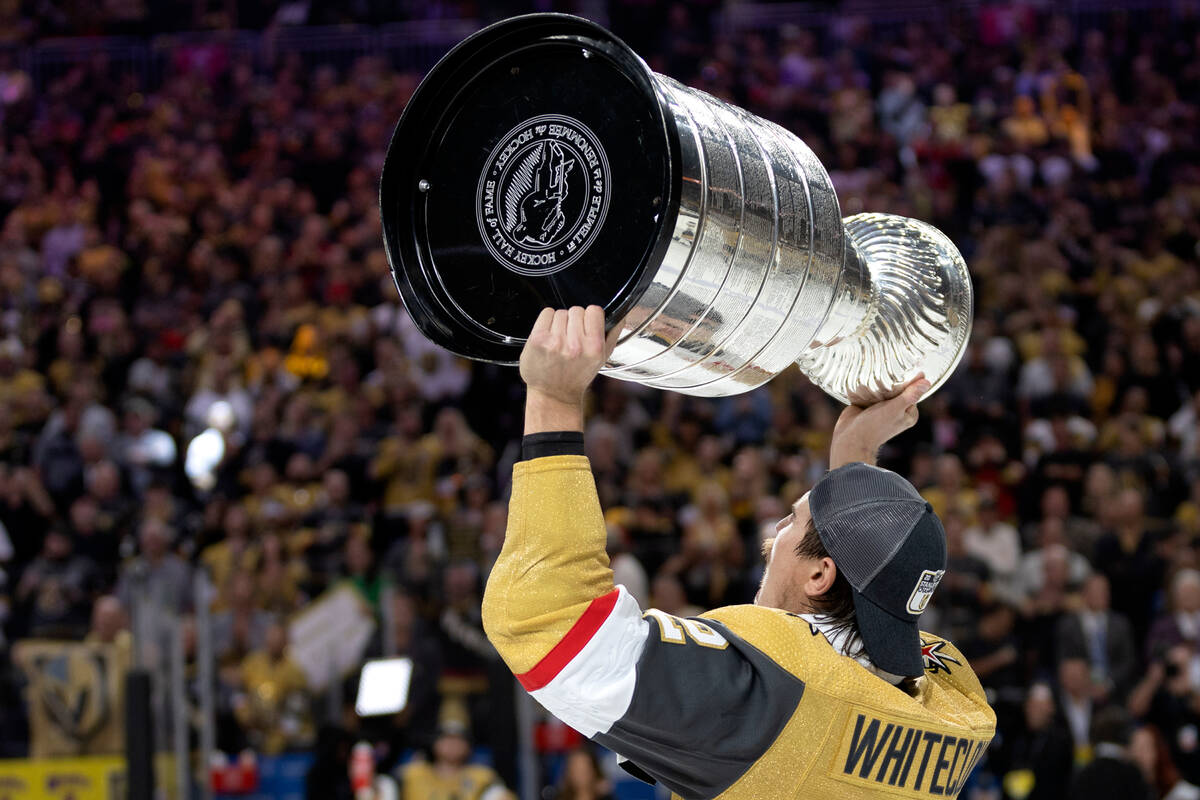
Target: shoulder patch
923,591
936,660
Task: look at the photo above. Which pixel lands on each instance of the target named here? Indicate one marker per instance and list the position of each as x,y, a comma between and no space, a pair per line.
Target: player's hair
837,603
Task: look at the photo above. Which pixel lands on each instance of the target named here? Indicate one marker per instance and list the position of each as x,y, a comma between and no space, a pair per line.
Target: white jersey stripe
595,688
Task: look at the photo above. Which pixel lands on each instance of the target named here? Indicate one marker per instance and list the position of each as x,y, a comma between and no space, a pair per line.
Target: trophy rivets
587,53
515,71
656,201
423,185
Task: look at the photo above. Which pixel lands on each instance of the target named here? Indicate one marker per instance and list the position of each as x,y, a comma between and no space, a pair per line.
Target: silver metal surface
918,312
761,272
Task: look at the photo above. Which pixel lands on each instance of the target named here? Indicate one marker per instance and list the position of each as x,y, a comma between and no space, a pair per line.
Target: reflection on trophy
541,163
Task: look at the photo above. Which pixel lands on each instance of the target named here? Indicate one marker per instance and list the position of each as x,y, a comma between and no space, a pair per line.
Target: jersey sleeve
686,700
706,706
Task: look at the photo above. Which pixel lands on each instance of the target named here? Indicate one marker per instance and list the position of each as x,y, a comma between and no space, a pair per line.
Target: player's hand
860,432
565,350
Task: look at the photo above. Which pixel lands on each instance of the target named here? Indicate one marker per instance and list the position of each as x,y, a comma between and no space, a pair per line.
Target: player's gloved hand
860,432
565,350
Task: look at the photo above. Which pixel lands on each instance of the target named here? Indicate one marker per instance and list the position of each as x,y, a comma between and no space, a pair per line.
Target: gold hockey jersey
743,702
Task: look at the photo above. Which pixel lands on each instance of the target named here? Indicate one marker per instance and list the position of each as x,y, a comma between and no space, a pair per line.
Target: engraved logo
543,195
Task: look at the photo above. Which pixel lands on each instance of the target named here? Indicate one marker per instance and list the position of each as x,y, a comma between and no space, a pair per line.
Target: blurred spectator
466,649
450,772
1052,566
966,586
1149,751
221,386
1036,759
242,626
25,512
1078,704
157,578
951,492
56,454
105,489
1025,127
667,594
996,543
274,708
361,571
710,553
279,577
1126,554
409,637
1101,637
110,624
993,650
745,418
1058,448
648,507
582,778
1055,371
95,534
901,110
1113,772
1167,696
235,553
334,503
1180,624
145,452
55,590
1079,533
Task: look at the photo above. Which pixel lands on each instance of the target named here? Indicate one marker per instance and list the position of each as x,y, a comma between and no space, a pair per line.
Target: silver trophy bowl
741,262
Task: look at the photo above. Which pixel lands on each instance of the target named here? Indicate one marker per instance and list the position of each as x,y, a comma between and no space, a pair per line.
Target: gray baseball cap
891,547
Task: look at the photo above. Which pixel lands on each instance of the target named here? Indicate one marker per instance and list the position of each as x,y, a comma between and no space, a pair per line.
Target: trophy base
919,315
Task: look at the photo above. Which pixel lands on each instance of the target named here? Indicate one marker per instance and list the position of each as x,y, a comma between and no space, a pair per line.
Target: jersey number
676,630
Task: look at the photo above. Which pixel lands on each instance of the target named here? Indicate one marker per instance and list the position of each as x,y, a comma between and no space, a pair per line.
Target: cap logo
921,593
543,195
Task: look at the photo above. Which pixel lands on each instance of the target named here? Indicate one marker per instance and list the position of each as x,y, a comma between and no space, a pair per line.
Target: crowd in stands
200,261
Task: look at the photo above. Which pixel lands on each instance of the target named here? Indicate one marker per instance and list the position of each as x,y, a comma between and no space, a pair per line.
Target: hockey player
825,687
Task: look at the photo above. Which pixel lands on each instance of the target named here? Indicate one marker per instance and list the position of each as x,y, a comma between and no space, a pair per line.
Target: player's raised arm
550,595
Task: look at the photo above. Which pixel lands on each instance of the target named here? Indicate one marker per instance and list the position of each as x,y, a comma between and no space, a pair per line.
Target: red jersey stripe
570,645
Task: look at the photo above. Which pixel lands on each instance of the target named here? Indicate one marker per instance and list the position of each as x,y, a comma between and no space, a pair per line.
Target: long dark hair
837,604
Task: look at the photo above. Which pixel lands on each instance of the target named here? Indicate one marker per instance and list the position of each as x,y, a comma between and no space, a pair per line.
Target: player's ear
821,575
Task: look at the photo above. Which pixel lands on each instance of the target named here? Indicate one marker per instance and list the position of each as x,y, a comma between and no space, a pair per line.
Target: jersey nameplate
879,753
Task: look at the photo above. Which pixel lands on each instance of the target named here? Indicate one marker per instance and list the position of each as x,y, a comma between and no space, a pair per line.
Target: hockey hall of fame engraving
543,195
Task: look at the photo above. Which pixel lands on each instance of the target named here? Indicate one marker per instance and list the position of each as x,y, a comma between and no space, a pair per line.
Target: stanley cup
542,163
